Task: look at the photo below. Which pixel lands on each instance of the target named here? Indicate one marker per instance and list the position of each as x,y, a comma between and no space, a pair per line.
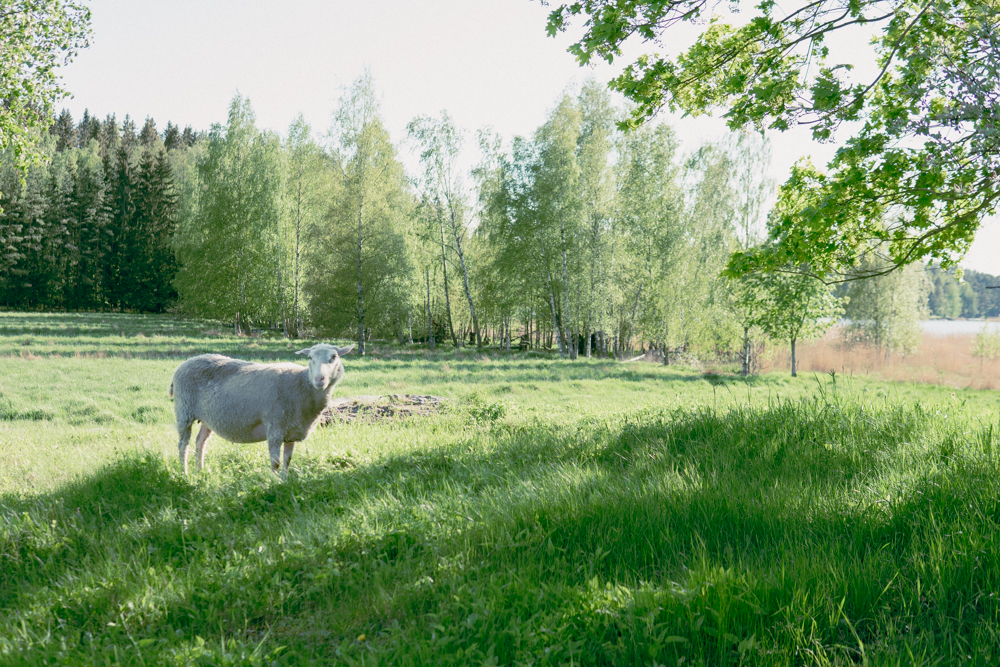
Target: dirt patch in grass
377,408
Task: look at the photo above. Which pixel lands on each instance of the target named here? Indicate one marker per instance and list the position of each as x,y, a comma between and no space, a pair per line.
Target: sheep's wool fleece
234,398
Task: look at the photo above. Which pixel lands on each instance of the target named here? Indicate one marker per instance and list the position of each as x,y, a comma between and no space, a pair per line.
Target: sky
489,63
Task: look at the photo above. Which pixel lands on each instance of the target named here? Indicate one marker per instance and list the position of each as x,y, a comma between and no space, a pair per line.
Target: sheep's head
325,369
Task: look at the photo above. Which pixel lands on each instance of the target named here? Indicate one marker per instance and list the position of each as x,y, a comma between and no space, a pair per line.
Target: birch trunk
793,358
430,323
457,233
444,270
296,327
361,296
567,329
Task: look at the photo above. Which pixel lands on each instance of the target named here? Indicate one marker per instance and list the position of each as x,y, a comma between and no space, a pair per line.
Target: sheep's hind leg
199,442
289,447
184,429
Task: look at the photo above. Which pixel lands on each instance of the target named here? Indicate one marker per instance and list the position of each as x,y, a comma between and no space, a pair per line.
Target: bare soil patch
370,407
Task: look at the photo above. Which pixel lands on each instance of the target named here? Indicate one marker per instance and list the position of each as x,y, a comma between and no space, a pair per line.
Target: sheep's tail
171,392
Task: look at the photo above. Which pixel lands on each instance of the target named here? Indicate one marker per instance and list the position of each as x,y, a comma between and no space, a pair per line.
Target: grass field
556,513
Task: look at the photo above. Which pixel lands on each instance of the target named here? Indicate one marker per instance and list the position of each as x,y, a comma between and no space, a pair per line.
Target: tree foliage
885,308
36,36
230,249
92,225
791,306
914,181
359,270
445,200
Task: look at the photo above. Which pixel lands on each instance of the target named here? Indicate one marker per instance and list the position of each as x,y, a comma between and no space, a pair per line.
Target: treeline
579,237
978,295
93,228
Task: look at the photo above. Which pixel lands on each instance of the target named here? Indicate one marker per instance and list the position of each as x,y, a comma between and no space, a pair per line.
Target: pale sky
487,62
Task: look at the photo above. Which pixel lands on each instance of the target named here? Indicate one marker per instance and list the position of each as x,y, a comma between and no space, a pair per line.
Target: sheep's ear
344,350
305,351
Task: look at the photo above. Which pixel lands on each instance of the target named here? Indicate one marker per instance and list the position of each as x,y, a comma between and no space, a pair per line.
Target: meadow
555,513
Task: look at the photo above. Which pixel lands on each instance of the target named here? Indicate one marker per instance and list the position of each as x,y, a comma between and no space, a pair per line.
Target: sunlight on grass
585,513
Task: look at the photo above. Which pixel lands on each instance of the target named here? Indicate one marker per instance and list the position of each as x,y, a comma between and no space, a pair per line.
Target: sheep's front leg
289,447
274,444
199,442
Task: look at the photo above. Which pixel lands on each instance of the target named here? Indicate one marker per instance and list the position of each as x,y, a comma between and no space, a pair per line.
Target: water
958,327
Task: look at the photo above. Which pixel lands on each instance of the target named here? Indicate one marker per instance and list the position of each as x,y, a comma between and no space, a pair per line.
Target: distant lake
958,327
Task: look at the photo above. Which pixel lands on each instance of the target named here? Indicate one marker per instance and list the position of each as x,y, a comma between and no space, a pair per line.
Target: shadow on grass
744,520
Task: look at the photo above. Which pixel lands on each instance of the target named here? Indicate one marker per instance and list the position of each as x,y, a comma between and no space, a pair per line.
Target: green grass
556,513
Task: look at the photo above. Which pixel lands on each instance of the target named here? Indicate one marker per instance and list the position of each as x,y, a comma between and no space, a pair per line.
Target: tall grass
557,513
942,360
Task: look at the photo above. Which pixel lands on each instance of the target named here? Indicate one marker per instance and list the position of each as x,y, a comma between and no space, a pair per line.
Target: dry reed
941,360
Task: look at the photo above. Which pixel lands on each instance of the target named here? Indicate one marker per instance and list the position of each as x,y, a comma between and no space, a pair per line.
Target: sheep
244,401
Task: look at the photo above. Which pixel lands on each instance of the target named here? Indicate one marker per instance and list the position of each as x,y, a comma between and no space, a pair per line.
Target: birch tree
559,212
229,251
924,142
885,308
440,144
35,38
648,232
597,191
310,182
360,262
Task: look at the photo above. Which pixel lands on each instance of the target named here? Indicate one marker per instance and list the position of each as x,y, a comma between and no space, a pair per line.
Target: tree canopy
36,36
918,176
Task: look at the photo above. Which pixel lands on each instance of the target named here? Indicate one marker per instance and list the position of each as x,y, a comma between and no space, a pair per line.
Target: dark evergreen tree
155,221
30,288
110,140
92,227
93,213
88,129
120,259
189,137
148,136
12,230
129,139
172,137
64,131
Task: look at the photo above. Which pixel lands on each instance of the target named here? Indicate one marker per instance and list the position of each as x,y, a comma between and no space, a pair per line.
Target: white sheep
244,401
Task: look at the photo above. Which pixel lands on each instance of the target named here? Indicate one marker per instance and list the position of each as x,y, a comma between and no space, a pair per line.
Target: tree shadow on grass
730,518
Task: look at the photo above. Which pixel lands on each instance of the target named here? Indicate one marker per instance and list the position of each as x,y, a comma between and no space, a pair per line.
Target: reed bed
946,361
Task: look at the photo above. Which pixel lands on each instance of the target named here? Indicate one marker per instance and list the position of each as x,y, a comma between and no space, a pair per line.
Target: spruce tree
129,138
155,224
64,130
148,136
93,213
172,137
120,259
88,129
30,205
110,139
12,229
